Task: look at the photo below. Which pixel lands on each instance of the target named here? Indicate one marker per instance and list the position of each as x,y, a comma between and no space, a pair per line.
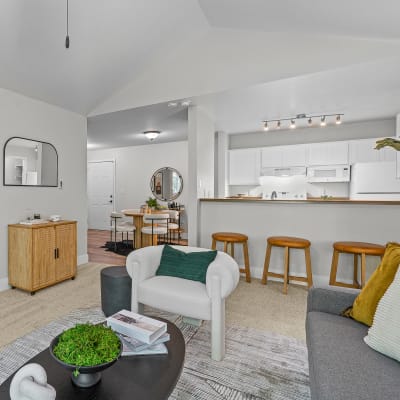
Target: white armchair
185,297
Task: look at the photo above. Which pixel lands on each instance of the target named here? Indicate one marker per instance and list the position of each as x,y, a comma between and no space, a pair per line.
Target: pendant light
67,37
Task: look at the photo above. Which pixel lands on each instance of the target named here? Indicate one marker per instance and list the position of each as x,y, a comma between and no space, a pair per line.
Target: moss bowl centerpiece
86,350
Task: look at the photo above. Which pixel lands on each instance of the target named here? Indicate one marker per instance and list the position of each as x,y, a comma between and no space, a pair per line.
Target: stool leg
286,271
308,267
335,260
246,262
363,269
355,272
232,250
214,245
266,265
225,247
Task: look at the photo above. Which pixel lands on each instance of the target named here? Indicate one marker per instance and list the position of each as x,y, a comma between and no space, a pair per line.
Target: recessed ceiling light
151,135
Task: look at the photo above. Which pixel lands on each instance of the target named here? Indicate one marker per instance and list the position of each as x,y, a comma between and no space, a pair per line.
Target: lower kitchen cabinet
40,255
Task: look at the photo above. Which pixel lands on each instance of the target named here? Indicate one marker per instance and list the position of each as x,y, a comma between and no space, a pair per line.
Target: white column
221,173
201,137
398,152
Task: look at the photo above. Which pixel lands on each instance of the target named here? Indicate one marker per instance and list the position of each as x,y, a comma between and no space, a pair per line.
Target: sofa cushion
384,334
192,266
180,296
342,366
364,306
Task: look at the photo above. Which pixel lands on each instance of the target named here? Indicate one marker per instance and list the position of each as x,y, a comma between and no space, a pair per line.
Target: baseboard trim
4,284
83,259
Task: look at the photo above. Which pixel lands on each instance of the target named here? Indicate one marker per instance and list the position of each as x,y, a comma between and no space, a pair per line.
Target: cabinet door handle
58,252
55,253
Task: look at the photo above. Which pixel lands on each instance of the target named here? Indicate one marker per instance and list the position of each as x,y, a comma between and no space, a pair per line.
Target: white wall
26,117
135,166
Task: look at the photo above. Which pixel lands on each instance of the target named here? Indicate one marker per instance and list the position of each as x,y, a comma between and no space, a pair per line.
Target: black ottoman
115,290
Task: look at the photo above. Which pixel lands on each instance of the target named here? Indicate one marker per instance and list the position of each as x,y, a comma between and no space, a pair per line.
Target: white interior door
100,184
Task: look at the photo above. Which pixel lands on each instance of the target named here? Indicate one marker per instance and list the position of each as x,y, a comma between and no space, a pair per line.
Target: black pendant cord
67,37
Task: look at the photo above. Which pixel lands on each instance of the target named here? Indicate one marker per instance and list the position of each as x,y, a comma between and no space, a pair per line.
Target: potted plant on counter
152,203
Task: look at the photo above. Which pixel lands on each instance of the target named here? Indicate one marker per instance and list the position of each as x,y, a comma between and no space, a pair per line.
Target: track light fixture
292,120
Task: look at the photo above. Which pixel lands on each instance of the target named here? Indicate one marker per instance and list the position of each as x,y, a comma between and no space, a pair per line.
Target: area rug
258,365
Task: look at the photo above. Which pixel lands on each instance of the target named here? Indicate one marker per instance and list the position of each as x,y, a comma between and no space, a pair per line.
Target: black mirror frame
4,162
152,186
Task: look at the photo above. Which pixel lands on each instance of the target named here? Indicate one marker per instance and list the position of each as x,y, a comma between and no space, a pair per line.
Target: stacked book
139,334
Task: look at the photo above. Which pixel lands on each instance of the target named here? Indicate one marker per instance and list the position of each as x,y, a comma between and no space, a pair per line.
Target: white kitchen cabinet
271,156
283,156
244,166
328,153
363,150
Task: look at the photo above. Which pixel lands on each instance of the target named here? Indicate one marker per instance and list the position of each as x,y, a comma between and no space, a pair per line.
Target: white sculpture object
30,383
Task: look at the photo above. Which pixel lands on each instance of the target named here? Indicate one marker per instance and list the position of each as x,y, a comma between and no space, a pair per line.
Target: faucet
273,195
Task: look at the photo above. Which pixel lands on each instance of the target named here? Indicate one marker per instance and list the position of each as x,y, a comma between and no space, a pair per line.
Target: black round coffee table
133,377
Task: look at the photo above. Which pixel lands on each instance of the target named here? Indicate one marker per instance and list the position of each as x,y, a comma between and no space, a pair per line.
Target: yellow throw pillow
365,304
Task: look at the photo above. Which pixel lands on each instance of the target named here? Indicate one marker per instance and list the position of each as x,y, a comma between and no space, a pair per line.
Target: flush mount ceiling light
151,135
309,118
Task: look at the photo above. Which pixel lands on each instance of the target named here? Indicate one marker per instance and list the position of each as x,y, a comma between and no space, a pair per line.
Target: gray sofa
342,366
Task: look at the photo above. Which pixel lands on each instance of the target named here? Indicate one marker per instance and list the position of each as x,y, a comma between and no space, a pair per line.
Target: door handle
55,253
58,252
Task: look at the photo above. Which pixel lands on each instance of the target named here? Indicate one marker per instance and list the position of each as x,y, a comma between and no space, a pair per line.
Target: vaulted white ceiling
133,53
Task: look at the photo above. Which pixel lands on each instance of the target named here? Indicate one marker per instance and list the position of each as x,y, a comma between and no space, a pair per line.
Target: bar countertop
333,200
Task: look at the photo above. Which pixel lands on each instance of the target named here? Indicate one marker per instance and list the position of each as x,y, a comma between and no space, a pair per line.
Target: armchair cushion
192,266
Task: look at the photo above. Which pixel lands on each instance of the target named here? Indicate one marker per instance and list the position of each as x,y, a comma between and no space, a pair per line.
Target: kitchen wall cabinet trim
41,255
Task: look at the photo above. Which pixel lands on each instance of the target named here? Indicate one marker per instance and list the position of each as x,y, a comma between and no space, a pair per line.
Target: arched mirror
29,162
166,184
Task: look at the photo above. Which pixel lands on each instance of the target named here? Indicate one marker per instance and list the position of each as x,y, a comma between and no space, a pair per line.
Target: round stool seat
289,241
359,248
116,287
231,237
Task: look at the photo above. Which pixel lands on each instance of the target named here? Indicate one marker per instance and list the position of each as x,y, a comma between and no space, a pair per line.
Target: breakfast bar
322,221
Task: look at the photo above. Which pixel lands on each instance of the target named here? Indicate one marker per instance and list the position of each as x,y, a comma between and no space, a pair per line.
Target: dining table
140,240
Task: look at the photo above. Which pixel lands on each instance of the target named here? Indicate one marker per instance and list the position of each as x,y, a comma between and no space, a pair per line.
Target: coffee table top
140,377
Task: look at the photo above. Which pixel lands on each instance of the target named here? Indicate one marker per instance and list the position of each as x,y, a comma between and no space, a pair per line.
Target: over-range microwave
329,173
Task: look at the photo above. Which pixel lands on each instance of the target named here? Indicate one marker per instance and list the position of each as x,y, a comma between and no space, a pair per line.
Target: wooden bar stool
288,243
361,249
230,238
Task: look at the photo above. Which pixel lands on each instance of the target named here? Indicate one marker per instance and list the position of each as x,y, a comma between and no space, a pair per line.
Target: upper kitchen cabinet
328,153
363,150
244,166
283,156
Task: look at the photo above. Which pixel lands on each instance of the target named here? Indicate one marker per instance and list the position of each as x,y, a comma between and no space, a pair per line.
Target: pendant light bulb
338,119
323,121
292,124
266,127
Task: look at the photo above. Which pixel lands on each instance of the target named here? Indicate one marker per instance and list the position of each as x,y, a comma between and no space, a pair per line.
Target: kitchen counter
320,221
335,200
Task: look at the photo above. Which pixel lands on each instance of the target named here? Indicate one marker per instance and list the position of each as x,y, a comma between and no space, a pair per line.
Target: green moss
87,345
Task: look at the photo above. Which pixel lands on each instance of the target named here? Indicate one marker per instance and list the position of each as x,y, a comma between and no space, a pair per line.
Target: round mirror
166,184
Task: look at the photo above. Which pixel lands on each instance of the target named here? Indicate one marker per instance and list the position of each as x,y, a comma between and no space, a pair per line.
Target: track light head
278,125
323,121
338,120
292,124
310,121
266,127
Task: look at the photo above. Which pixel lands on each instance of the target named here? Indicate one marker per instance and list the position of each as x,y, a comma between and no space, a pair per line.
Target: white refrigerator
374,181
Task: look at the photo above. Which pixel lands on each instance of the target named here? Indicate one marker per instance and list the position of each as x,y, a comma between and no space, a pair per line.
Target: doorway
101,193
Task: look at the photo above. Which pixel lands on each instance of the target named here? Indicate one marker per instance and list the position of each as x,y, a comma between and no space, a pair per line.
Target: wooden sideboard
40,255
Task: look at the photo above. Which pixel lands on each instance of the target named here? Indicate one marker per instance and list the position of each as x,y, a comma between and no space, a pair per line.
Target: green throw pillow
191,266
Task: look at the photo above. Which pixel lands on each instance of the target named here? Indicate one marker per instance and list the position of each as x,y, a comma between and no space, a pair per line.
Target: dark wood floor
96,239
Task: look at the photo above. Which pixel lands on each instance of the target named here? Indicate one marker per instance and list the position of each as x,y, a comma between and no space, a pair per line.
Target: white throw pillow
384,334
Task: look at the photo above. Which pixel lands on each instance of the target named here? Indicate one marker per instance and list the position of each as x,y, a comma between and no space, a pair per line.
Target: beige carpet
251,305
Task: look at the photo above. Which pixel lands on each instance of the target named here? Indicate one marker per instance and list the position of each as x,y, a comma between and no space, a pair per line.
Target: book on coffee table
160,348
133,344
137,326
